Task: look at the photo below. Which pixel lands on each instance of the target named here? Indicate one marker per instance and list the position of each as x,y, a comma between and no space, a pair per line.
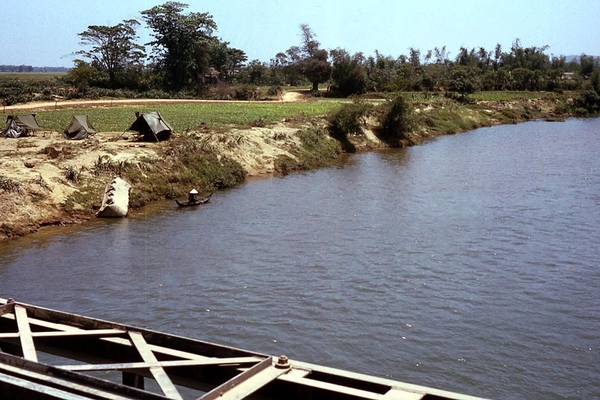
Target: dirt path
287,97
293,95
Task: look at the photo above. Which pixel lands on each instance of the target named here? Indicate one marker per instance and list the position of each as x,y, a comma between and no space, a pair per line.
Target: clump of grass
318,148
103,165
8,230
37,197
72,174
280,136
285,164
10,185
235,141
40,181
446,120
259,122
87,198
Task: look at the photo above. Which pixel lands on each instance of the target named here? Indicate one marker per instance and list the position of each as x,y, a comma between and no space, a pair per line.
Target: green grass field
505,95
185,117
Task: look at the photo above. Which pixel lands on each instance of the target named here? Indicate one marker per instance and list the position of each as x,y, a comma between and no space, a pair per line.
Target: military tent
79,128
151,126
20,125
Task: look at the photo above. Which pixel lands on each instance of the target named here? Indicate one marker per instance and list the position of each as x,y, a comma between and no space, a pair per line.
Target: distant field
184,117
505,95
424,97
30,76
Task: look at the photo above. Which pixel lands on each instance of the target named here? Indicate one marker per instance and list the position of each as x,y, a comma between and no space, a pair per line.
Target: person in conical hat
192,196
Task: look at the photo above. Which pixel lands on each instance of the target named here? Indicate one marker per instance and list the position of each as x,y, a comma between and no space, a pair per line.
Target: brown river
469,264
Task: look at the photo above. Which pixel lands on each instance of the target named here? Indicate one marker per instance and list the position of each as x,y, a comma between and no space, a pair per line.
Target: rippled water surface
468,264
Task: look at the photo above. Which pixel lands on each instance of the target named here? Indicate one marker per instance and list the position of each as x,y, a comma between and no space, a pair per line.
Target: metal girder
173,362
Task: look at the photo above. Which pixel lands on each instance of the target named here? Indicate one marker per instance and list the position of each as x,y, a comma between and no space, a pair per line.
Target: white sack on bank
115,202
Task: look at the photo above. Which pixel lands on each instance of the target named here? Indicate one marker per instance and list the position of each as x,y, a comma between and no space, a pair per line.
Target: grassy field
185,117
30,76
506,96
216,116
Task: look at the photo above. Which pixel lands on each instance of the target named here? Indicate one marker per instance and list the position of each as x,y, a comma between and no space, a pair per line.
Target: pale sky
44,32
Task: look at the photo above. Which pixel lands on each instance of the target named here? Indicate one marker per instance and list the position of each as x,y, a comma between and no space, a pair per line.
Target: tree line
186,58
29,69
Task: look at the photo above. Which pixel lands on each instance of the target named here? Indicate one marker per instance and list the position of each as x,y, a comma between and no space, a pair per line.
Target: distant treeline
187,59
29,68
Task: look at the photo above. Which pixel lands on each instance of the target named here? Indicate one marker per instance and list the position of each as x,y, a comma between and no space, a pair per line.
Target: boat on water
196,202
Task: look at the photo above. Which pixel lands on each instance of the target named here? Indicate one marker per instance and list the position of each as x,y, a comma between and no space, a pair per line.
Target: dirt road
287,96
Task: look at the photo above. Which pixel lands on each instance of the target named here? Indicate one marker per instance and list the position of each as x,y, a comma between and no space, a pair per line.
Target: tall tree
348,74
463,80
255,73
283,67
381,72
314,64
82,75
181,44
587,65
113,48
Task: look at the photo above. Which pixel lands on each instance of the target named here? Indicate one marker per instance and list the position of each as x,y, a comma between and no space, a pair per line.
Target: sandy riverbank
34,186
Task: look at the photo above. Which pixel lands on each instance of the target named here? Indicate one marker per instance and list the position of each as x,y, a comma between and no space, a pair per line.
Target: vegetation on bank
325,128
181,163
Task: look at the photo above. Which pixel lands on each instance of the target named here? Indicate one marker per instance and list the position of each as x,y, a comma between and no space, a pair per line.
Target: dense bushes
396,122
588,100
349,120
13,91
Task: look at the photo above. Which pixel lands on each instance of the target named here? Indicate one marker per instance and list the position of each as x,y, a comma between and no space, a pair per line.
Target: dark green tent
151,126
79,128
20,125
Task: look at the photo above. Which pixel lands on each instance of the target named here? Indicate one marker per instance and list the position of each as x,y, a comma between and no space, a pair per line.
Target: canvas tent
151,126
79,128
20,125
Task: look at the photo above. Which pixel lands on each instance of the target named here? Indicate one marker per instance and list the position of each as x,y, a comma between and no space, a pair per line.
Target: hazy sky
44,32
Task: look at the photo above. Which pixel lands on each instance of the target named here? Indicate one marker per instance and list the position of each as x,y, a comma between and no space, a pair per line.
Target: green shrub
396,120
587,102
284,164
245,92
274,91
349,120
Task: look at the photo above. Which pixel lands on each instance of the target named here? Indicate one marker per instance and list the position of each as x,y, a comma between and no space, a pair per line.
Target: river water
469,263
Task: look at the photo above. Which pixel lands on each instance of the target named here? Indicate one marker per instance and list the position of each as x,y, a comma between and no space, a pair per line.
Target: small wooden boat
201,200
